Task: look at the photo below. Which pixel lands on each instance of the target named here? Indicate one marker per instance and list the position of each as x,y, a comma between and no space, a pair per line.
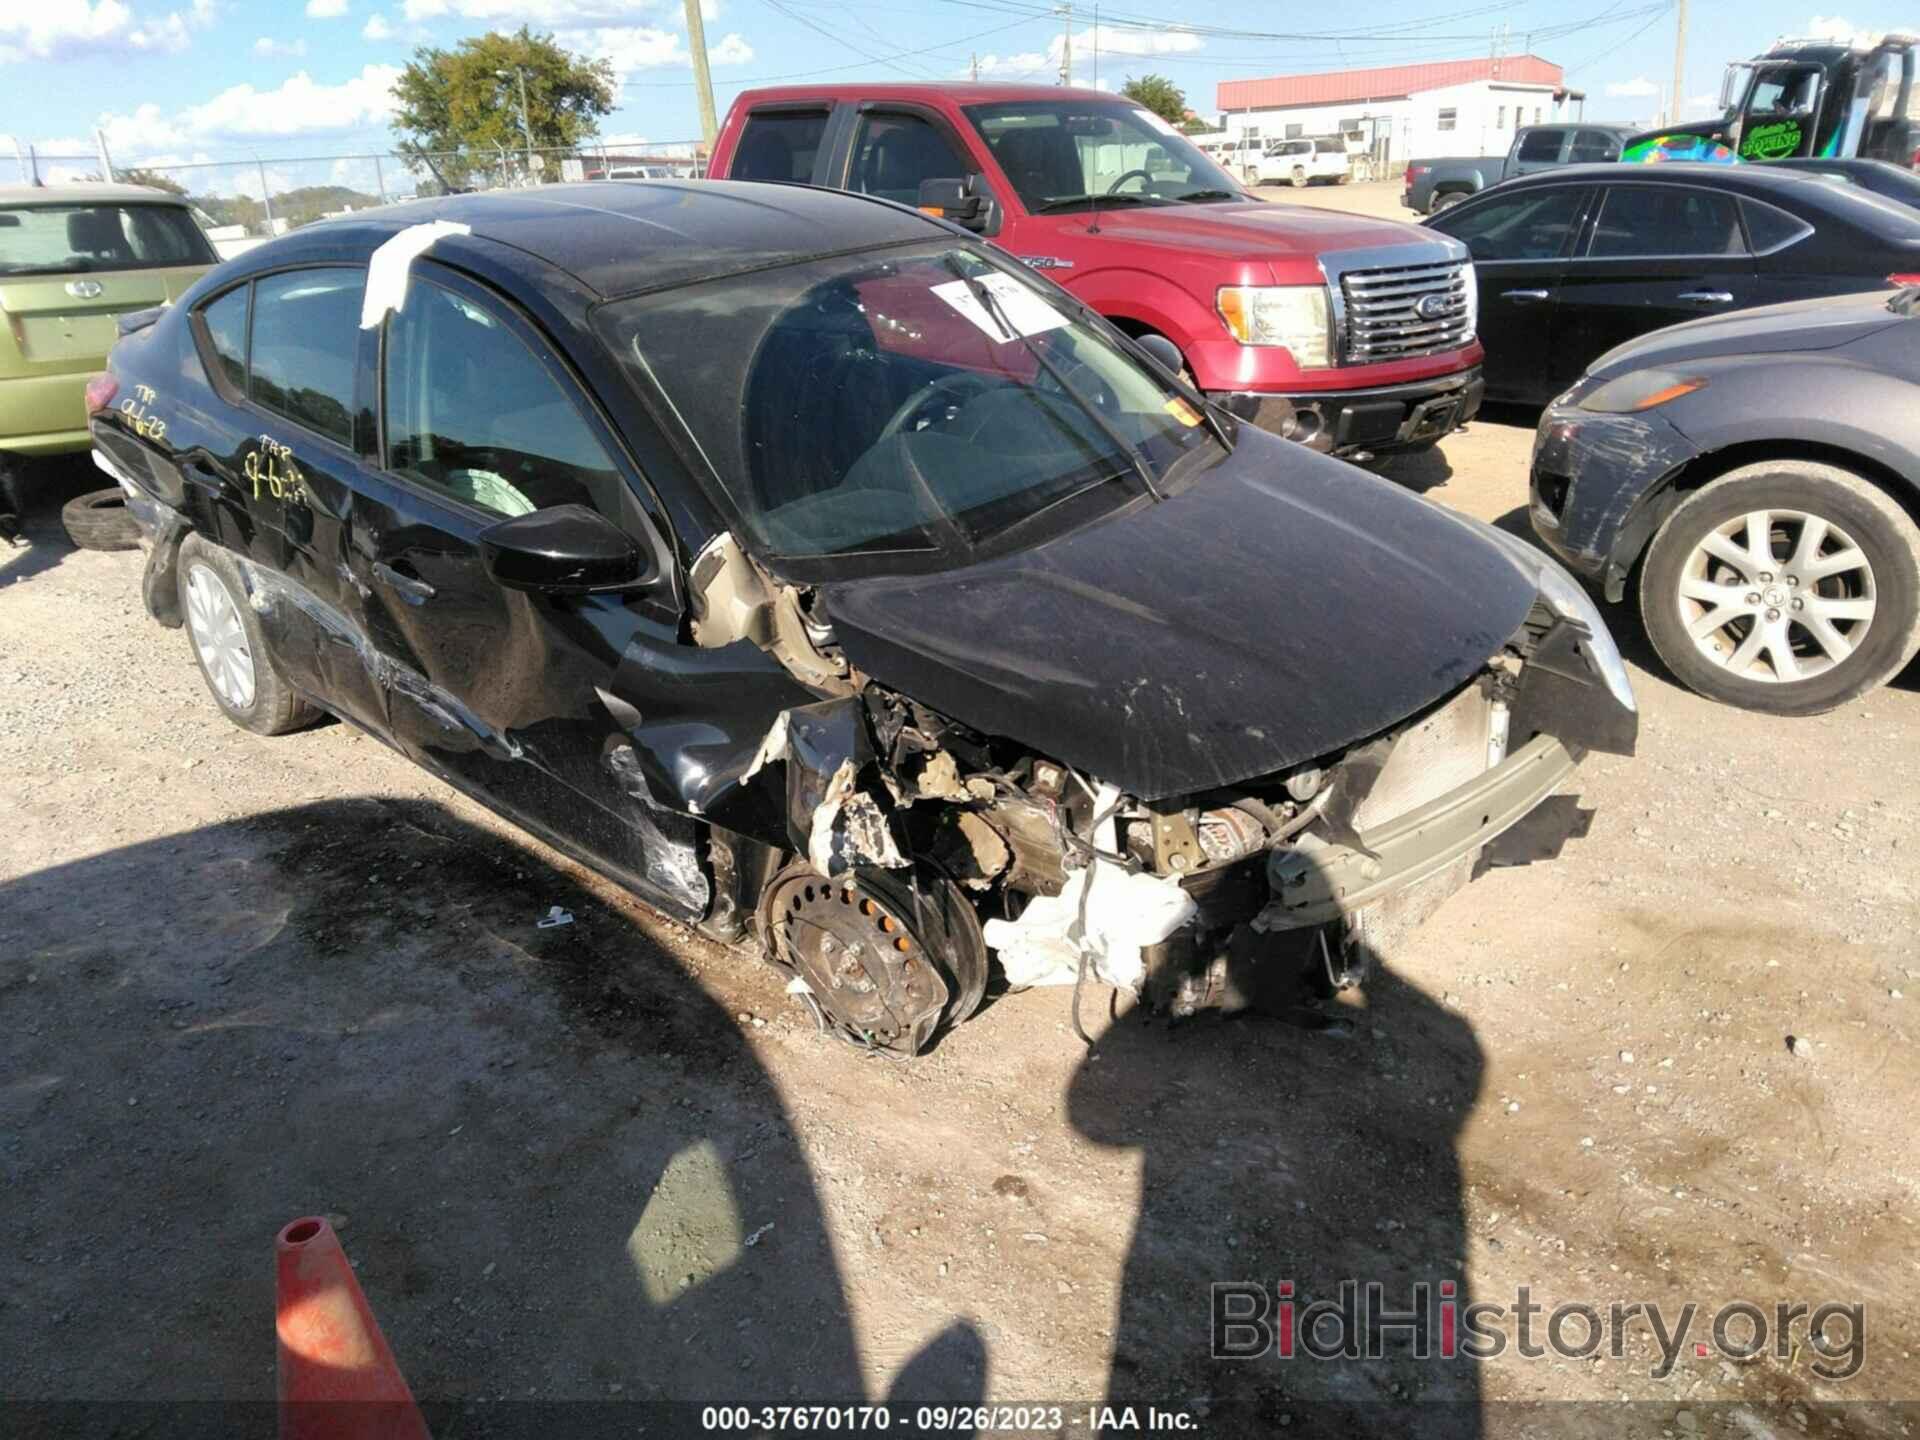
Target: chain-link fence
244,201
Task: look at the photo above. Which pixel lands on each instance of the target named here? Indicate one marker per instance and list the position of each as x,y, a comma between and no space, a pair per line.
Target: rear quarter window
225,322
306,347
778,145
1770,228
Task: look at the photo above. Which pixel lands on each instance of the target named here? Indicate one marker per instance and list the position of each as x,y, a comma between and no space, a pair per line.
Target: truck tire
1446,202
1821,606
100,520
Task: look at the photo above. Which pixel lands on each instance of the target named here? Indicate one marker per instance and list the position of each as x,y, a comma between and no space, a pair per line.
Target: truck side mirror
957,200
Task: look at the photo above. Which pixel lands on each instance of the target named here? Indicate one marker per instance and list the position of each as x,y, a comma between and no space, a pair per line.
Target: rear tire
100,520
1794,614
230,647
1446,201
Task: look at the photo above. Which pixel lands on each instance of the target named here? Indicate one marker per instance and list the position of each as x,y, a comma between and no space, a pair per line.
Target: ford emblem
85,289
1430,307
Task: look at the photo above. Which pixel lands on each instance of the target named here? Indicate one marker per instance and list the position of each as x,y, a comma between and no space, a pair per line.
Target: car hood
1282,607
1798,325
1256,230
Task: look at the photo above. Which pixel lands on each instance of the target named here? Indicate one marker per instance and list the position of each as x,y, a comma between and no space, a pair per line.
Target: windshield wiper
991,304
1072,201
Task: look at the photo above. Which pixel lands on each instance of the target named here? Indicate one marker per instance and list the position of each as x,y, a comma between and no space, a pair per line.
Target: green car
72,258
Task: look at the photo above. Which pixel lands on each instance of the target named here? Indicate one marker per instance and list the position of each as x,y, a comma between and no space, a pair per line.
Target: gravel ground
250,979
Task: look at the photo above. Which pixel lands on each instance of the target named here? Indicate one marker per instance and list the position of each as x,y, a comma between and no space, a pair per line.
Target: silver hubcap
1777,596
221,639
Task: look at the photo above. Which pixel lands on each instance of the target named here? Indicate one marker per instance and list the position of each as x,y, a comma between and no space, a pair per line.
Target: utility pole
1679,62
1096,44
266,195
106,160
973,67
1066,43
526,120
702,77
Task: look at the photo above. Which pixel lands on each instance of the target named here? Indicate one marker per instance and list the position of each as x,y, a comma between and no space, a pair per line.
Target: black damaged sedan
839,586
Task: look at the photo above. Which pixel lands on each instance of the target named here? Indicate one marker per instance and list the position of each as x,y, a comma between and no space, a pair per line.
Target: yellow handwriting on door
272,471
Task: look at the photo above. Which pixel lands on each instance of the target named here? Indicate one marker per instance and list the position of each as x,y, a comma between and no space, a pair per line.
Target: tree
457,99
1160,95
153,179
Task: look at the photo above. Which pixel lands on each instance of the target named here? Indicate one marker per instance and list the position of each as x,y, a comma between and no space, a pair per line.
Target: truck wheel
1446,201
100,520
1787,587
230,646
1299,176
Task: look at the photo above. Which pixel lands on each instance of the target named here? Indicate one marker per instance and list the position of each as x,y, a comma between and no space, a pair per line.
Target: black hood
1282,607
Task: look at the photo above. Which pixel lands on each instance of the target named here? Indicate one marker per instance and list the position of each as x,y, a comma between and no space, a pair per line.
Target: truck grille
1384,319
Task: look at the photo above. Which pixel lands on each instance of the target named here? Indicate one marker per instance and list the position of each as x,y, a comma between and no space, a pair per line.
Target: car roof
651,234
82,193
1753,179
962,92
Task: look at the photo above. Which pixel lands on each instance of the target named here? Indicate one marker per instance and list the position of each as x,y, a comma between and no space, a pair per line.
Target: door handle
1524,294
414,592
1707,297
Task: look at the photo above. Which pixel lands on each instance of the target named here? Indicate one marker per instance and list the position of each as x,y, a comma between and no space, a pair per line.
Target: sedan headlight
1641,390
1297,317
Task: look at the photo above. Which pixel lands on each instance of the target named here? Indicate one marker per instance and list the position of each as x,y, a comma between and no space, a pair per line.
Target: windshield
879,404
64,239
1064,154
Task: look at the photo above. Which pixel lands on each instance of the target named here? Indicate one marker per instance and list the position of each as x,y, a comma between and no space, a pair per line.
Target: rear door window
892,154
1542,146
1665,221
225,321
306,345
1594,147
779,145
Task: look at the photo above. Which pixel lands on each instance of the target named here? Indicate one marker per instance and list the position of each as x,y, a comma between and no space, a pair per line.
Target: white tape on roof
390,265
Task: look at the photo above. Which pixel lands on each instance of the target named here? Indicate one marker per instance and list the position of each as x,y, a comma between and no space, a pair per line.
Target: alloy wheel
1776,596
214,622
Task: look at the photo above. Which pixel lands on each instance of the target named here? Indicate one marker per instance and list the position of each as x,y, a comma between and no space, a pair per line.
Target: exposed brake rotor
885,960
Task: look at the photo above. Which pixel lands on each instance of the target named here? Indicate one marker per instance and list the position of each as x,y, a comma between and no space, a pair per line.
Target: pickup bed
1435,184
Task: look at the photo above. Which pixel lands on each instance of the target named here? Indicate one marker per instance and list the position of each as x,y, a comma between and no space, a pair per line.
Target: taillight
1903,280
100,392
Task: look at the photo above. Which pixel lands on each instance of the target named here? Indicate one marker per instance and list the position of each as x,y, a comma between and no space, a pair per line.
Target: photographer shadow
1275,1155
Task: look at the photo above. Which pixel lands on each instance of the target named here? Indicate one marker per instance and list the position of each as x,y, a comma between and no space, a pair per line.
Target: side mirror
955,200
566,550
1163,353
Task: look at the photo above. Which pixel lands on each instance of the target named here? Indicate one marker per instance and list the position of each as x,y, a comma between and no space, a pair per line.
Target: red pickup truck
1348,333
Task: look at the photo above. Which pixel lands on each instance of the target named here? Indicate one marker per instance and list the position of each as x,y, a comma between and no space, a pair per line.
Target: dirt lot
246,979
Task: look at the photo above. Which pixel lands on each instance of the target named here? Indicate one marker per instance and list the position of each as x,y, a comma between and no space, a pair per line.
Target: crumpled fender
160,581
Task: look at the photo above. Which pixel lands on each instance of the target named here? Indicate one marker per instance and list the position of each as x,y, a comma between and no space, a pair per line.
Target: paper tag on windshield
1025,311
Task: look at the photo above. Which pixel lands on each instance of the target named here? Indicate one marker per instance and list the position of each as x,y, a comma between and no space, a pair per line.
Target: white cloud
1832,27
376,28
326,9
266,47
60,29
650,47
1130,42
1637,88
555,14
1703,104
297,106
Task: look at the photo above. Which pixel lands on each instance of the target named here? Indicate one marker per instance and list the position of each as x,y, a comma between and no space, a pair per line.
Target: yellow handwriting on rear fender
272,471
135,408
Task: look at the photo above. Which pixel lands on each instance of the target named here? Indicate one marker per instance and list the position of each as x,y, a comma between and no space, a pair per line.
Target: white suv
1302,162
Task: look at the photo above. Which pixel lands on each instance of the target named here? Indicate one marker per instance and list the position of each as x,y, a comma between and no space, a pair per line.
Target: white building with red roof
1443,107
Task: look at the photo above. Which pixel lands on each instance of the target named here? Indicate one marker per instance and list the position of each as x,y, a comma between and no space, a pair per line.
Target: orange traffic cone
338,1379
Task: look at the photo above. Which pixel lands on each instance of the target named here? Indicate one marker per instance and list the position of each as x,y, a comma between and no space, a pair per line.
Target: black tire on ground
100,520
1446,201
275,708
1883,532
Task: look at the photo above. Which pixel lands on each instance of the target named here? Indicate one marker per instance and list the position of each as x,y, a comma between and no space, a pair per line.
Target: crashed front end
1264,895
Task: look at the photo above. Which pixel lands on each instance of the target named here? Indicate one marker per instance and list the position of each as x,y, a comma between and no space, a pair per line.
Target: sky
272,82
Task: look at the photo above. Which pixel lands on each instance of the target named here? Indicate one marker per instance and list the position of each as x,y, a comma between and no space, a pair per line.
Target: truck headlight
1296,317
